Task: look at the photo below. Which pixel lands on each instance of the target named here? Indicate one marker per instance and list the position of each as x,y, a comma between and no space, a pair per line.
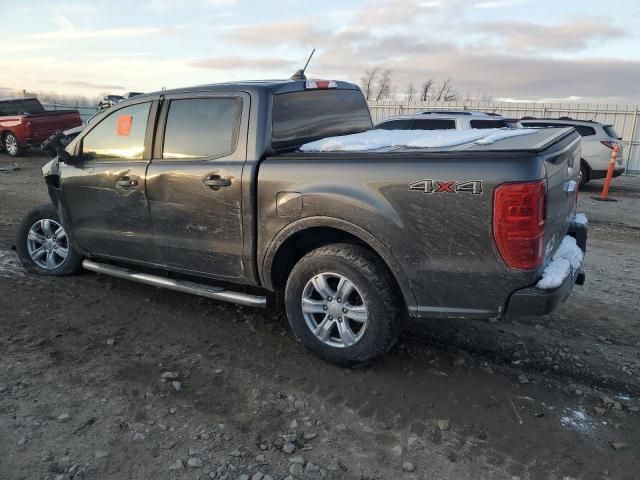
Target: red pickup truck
24,122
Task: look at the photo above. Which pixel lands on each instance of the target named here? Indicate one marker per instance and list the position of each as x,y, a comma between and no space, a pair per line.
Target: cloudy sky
554,50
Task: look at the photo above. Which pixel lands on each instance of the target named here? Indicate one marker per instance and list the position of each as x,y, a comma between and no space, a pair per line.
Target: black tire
11,145
584,175
70,265
373,282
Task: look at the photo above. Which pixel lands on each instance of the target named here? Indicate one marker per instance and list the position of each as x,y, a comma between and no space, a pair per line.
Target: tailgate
42,125
562,165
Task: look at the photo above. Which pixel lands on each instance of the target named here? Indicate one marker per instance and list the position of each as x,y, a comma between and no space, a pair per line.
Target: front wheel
43,245
342,305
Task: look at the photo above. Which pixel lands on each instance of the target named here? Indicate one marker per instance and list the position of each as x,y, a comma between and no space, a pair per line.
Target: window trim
148,138
158,145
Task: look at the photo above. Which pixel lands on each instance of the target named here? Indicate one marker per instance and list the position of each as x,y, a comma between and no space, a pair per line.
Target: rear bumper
537,301
597,174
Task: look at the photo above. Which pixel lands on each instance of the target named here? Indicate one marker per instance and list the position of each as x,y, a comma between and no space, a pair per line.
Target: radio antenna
299,75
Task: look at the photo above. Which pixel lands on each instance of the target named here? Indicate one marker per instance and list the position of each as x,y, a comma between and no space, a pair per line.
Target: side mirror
66,157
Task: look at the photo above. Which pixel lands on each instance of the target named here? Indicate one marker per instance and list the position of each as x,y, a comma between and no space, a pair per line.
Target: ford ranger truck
206,190
25,123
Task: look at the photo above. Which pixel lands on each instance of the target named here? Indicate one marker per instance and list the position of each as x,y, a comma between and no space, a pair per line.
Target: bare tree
410,93
369,81
383,87
445,92
425,93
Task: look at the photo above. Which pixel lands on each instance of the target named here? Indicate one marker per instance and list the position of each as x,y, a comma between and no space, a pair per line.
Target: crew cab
24,123
214,190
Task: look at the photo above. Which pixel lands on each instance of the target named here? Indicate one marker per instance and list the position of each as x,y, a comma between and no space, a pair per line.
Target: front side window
120,136
201,128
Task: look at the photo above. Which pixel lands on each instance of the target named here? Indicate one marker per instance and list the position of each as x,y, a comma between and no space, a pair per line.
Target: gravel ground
106,379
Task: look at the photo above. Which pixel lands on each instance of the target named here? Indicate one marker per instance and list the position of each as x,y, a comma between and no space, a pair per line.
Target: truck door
194,182
103,195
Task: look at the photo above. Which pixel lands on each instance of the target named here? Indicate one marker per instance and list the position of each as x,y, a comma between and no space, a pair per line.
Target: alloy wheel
334,310
47,244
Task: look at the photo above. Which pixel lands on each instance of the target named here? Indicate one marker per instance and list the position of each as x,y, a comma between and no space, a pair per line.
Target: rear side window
434,124
488,124
120,136
202,128
585,131
394,125
609,130
302,117
32,106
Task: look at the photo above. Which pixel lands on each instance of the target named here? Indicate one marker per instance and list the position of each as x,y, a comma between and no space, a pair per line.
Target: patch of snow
377,139
578,420
10,265
580,219
567,259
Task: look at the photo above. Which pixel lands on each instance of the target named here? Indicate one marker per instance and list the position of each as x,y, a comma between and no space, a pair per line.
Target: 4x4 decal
447,186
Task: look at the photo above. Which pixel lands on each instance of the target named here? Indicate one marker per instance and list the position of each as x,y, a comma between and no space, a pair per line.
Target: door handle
126,182
216,182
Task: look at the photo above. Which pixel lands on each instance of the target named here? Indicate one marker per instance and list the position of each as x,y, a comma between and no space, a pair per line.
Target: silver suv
445,120
597,142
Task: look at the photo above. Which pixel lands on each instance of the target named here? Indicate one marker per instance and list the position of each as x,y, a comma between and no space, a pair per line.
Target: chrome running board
207,291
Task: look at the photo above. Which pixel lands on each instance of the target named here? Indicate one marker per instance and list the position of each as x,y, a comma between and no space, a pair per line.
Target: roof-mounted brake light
320,84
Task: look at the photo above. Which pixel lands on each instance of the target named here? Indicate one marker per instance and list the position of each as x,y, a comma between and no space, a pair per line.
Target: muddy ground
81,393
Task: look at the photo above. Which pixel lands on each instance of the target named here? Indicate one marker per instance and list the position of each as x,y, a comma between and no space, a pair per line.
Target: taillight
608,144
320,84
518,223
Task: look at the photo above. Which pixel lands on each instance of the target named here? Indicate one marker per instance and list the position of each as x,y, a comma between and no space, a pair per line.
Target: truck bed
440,239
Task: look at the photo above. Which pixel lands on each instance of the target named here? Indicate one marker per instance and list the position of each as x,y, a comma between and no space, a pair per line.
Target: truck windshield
302,117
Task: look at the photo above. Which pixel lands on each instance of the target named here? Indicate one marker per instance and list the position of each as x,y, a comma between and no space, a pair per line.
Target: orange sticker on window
123,128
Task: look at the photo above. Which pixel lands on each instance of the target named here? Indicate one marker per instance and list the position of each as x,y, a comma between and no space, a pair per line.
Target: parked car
109,101
597,141
444,120
206,190
129,95
25,123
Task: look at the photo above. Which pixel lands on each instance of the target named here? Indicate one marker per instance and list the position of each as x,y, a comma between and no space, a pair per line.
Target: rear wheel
583,176
342,304
43,245
12,146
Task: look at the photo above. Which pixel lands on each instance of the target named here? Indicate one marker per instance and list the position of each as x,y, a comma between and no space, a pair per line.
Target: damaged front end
51,145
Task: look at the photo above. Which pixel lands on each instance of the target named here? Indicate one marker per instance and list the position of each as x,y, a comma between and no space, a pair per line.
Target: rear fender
367,238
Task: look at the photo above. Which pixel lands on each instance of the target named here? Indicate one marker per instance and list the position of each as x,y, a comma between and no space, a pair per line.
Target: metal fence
85,111
623,117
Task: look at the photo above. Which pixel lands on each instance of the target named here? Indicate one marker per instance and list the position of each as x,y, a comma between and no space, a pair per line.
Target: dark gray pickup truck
206,190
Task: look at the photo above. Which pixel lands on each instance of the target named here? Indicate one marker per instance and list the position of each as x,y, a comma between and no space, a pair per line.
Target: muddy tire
342,304
11,145
43,245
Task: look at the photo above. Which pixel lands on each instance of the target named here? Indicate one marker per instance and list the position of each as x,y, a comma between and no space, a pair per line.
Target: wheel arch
300,237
